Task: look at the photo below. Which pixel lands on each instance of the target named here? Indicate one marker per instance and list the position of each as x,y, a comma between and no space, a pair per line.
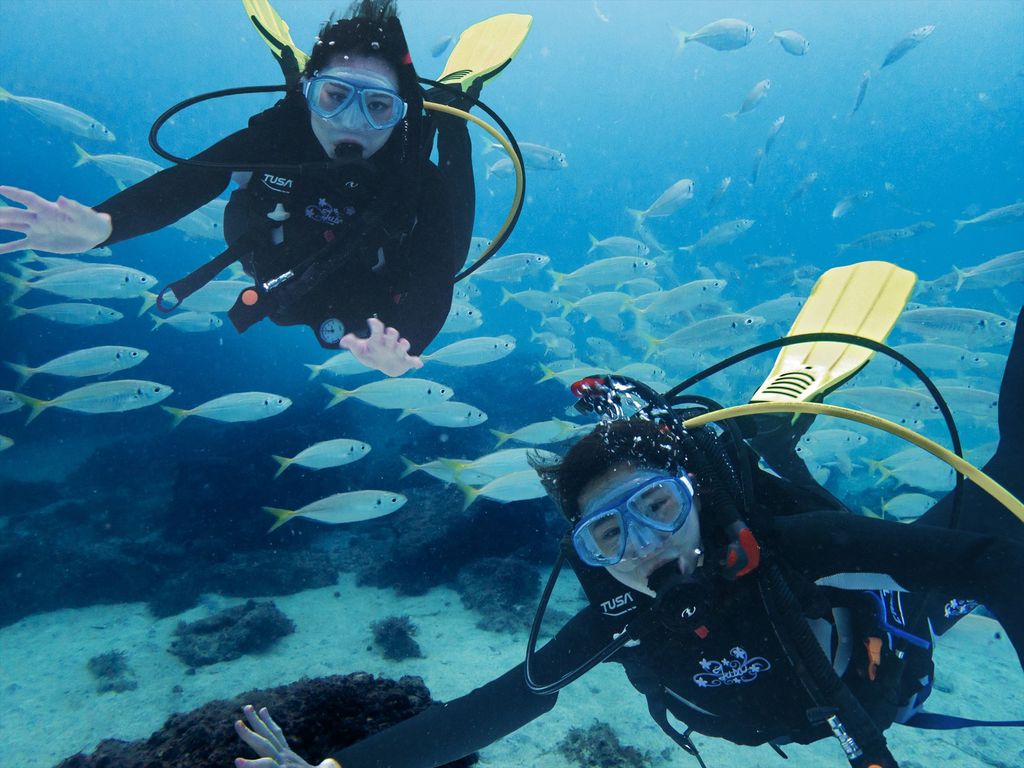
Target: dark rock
112,672
229,634
599,747
504,592
394,637
318,716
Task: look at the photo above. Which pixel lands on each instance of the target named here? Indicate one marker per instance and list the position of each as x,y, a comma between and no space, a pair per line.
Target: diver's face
351,126
647,550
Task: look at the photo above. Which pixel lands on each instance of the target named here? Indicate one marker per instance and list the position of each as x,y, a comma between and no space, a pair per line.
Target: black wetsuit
397,264
735,681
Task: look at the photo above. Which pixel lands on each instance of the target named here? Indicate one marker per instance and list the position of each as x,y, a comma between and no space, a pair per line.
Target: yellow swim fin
274,31
484,50
863,299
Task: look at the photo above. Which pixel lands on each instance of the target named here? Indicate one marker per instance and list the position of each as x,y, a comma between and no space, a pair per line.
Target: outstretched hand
384,350
64,226
268,741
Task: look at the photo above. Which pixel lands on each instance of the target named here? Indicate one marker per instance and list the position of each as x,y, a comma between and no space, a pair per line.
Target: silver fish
668,202
755,97
339,508
720,234
236,407
773,132
325,454
104,397
189,322
124,169
862,90
447,414
847,204
1003,215
618,245
70,313
886,236
792,42
401,393
907,44
722,35
1002,270
95,361
466,352
517,486
716,196
60,116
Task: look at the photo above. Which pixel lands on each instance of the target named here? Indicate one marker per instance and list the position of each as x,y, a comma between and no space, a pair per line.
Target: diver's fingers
18,219
72,207
376,326
15,245
274,727
402,344
391,334
414,362
263,762
23,196
256,720
259,744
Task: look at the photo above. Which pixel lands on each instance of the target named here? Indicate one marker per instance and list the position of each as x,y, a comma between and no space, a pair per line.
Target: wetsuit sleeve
277,133
446,732
426,285
174,192
919,558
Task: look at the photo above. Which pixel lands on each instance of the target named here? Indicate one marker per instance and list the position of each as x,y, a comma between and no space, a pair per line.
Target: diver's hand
268,741
384,350
64,226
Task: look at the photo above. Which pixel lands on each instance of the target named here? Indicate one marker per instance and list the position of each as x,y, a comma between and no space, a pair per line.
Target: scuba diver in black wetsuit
341,218
737,601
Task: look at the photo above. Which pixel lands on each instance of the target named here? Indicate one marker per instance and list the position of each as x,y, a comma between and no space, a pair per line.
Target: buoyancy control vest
321,247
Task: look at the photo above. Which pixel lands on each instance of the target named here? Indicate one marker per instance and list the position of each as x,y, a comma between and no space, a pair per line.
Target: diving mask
646,514
329,96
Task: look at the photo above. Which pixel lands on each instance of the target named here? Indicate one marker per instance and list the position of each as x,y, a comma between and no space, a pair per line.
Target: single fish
477,247
440,46
862,90
197,225
124,169
5,442
600,304
70,313
792,42
618,245
10,401
922,471
773,132
339,508
236,407
827,441
103,397
540,158
340,364
888,401
539,432
716,197
668,202
494,465
478,351
958,325
781,309
885,237
512,268
907,44
908,506
1002,270
517,486
1003,215
848,203
664,305
755,97
189,322
215,296
720,234
802,187
60,116
714,332
106,281
439,469
398,393
556,345
610,271
755,169
462,317
447,414
325,454
534,300
940,357
96,361
722,35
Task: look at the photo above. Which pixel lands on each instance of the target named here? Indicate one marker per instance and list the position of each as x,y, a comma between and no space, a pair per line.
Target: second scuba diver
745,605
350,228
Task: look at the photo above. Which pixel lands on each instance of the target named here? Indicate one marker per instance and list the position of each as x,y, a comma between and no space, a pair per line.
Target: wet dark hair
646,444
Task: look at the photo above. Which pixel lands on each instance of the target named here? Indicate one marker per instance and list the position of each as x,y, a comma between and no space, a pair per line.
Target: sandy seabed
50,708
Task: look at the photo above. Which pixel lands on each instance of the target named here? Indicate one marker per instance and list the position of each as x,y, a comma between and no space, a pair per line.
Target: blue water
944,126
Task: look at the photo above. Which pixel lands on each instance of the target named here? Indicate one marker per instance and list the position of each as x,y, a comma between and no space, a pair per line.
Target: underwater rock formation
599,747
394,637
319,716
112,672
504,592
229,634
